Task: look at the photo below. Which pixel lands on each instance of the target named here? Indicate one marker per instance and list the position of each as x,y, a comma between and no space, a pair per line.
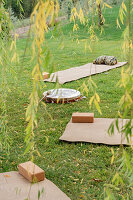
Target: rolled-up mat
96,132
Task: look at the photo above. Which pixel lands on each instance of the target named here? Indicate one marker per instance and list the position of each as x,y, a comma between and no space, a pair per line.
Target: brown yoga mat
76,73
13,186
94,132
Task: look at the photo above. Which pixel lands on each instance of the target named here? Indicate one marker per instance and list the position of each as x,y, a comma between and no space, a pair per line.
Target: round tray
61,95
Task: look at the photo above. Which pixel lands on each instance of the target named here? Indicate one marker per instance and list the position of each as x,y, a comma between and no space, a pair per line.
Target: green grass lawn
73,167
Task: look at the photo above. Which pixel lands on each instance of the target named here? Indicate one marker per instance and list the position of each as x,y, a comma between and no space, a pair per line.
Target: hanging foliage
42,11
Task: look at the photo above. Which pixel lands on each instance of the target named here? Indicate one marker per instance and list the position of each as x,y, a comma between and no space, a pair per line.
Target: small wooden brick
31,172
45,75
82,117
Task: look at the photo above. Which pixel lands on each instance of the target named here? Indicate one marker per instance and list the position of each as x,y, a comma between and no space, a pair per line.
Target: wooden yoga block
31,172
82,117
45,75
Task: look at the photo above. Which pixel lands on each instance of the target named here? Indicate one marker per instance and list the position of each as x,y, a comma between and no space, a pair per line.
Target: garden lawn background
73,167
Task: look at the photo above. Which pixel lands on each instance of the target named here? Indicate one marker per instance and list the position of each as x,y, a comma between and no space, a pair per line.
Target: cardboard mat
13,186
76,73
94,132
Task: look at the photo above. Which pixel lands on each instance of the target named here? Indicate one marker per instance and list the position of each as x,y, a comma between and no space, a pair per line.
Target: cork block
45,75
82,117
31,172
